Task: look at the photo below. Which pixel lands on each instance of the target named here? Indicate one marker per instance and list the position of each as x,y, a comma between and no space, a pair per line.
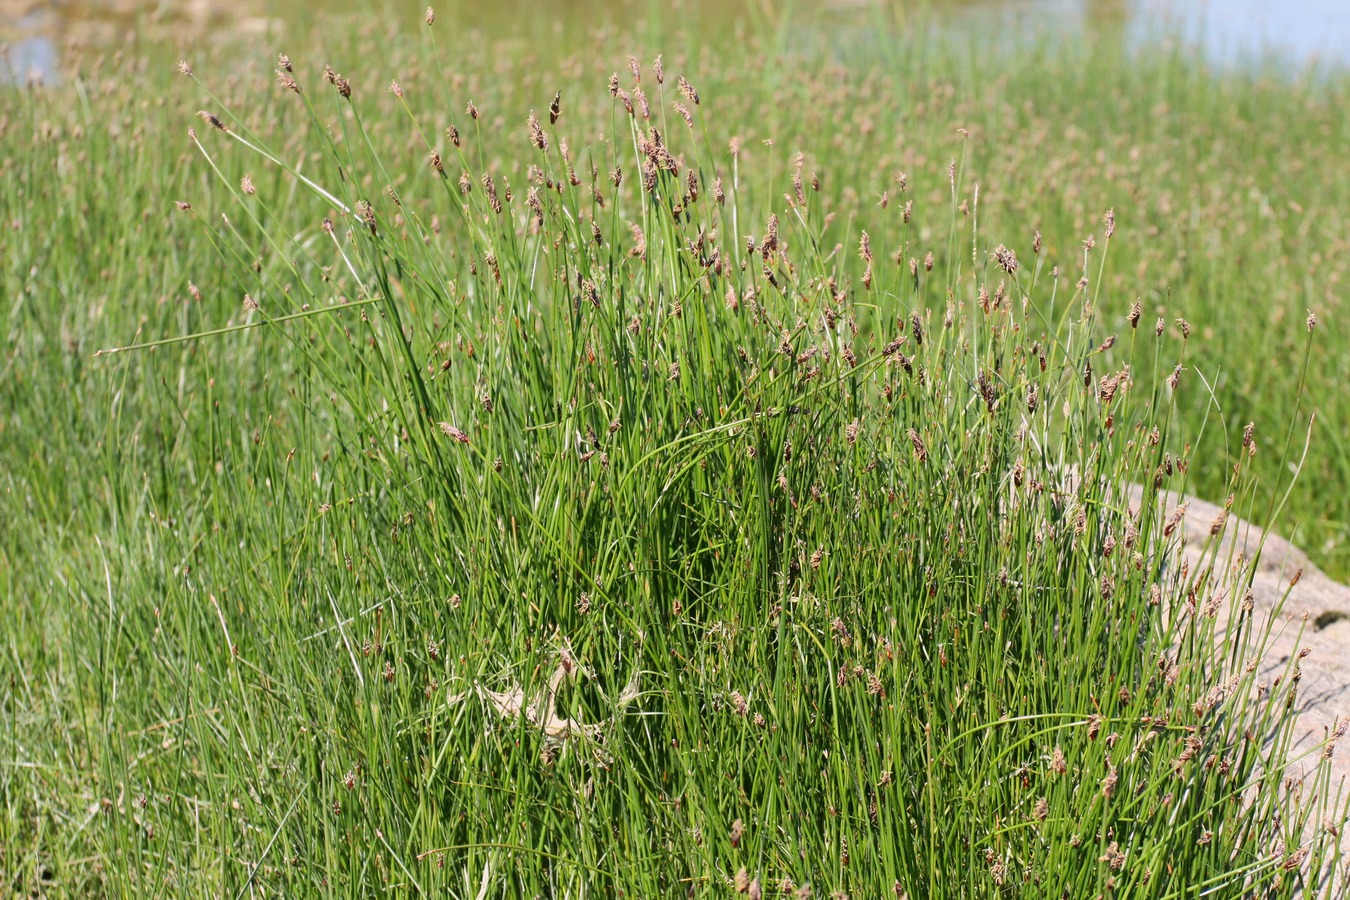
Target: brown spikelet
491,189
769,245
1006,259
687,90
366,213
920,449
344,87
451,431
537,136
1175,519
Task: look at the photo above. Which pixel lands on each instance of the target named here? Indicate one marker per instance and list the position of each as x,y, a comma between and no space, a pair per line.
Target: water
1238,31
1289,33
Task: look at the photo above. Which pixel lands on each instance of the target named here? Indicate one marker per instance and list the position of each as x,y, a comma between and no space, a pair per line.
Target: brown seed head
491,188
395,89
343,86
212,119
537,136
742,881
1175,519
920,449
555,108
1058,764
687,90
184,68
1006,258
451,431
366,213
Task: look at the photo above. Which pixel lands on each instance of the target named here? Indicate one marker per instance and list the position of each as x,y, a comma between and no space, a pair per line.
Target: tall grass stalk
662,514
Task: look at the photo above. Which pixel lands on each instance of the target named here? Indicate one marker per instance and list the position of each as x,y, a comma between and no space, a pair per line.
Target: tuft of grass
552,489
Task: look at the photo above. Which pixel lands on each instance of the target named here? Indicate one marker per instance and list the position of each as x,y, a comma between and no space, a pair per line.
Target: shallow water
1290,34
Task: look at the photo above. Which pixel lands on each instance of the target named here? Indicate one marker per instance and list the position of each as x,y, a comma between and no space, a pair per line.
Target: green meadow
660,453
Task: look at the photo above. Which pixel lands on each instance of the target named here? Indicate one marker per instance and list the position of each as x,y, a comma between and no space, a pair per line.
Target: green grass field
706,481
